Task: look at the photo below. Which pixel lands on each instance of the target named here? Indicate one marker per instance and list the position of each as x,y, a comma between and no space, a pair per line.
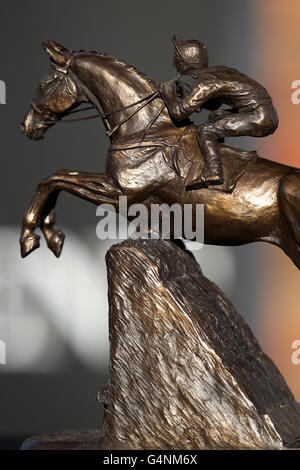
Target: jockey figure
251,111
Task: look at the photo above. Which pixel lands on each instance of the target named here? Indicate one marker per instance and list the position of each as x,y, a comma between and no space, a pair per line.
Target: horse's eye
47,115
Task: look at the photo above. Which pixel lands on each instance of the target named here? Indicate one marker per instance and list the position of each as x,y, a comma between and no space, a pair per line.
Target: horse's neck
115,86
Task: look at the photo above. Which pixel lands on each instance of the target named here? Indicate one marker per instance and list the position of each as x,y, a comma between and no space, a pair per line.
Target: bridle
142,102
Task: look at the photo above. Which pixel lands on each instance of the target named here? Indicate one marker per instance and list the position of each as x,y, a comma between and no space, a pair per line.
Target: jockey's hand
180,92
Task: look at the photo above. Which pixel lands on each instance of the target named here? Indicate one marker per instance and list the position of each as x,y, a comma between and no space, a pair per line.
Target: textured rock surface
185,370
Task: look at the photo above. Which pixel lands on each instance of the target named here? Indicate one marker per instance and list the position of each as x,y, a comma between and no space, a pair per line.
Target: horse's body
260,202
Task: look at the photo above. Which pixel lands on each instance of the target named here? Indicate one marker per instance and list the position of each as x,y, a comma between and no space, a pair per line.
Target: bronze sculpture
200,379
150,158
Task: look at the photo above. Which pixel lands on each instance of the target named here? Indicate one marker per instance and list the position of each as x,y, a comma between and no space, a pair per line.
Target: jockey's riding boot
212,175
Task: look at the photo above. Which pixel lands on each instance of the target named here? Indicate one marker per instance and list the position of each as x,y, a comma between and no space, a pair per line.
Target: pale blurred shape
218,264
68,295
48,304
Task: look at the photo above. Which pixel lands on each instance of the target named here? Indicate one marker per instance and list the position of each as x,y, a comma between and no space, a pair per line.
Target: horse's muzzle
22,128
32,126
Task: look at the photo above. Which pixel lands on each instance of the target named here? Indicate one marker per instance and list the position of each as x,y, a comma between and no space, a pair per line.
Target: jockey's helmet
192,52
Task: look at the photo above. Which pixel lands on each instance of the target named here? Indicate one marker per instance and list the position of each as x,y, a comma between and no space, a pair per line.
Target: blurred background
54,313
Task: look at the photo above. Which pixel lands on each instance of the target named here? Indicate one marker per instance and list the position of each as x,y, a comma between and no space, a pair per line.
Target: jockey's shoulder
219,71
221,75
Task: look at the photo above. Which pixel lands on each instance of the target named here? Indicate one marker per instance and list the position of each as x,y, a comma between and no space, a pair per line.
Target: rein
142,102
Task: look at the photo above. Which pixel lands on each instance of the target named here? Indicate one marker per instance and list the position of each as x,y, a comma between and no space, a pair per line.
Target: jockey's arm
181,109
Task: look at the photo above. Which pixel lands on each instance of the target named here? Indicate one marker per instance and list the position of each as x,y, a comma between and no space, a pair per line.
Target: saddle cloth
136,165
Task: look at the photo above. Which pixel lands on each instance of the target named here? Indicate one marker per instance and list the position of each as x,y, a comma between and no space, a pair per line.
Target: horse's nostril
22,128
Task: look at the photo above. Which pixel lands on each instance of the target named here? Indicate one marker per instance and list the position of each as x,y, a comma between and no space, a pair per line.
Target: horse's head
56,95
118,91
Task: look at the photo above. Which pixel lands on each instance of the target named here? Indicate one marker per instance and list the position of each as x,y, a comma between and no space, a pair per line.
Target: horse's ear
58,47
58,56
176,41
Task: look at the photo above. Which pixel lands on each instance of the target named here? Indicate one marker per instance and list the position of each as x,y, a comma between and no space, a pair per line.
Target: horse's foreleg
54,237
93,187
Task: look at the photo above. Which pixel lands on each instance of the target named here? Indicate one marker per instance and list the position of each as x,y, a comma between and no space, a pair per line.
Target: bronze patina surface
152,155
185,369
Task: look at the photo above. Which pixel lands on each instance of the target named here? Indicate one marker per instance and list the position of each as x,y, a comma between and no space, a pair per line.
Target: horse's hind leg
289,199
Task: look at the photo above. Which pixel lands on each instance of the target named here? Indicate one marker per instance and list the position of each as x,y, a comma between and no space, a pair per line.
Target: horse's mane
130,68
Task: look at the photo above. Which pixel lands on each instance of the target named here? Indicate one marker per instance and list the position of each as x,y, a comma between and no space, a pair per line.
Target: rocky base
185,370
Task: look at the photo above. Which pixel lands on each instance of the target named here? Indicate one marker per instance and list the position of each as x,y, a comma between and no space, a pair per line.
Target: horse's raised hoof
55,241
29,244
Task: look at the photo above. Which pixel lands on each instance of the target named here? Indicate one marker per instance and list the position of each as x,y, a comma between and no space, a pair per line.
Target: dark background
140,33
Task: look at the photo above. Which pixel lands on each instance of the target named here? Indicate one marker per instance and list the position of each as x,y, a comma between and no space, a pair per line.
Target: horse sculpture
150,159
